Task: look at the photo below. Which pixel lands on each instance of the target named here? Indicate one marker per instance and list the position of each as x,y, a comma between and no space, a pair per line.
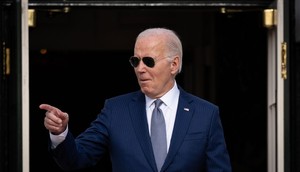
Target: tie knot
158,102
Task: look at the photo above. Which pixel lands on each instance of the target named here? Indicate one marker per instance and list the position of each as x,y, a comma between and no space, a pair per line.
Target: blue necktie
158,135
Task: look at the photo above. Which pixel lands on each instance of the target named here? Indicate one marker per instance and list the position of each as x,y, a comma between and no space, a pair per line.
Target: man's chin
146,91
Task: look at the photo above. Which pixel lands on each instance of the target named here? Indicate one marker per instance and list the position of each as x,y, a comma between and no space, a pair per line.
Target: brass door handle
283,60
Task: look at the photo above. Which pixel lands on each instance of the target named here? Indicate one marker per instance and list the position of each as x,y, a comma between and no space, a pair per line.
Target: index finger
48,107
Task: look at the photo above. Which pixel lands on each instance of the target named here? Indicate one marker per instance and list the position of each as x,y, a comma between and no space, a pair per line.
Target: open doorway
79,57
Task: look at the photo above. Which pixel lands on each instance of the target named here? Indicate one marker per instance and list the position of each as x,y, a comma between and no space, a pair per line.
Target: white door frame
280,87
25,86
276,151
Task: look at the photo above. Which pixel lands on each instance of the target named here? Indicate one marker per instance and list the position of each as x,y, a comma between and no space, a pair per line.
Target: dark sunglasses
148,61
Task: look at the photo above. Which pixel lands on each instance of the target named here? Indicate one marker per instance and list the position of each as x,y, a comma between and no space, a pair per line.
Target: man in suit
191,137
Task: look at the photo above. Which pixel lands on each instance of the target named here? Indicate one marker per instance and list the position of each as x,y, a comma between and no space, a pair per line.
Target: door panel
10,112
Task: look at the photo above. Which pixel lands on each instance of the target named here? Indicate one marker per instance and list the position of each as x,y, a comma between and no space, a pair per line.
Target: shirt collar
168,98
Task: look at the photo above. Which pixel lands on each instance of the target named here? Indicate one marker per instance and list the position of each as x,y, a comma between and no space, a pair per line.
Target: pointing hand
55,120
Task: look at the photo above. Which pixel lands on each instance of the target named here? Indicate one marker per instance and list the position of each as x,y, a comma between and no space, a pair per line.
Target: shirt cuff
57,139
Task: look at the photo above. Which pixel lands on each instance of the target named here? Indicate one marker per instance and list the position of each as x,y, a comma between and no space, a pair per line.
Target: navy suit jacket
121,128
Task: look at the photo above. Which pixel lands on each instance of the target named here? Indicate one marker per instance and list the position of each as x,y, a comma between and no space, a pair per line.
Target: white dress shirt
169,109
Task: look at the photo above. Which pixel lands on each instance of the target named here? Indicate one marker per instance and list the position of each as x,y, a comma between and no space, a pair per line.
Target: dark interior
80,57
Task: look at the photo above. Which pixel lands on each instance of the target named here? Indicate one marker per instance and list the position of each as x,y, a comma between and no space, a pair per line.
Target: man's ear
175,65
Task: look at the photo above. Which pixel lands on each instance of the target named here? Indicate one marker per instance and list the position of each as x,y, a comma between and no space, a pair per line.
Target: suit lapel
140,125
182,121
